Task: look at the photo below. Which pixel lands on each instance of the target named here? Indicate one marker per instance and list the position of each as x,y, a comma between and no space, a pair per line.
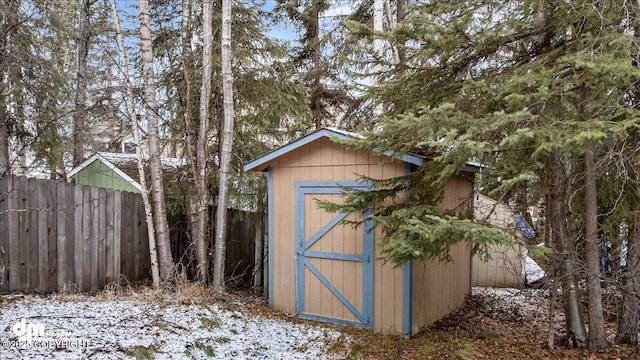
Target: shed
322,270
117,171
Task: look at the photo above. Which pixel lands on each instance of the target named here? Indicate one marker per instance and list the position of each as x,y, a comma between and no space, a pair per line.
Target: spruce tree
534,91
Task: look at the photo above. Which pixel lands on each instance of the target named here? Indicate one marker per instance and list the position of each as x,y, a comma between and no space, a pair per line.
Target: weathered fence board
32,231
125,238
102,238
109,215
52,237
4,238
135,241
13,224
68,268
93,236
62,234
74,196
53,234
117,234
43,240
23,231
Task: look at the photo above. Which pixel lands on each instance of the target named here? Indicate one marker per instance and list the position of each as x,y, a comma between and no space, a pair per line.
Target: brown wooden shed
322,270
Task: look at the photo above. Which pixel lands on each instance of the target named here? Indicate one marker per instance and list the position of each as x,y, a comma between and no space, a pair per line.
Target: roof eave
261,163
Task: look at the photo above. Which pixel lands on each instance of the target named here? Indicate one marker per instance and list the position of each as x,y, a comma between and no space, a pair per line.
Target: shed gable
99,174
325,153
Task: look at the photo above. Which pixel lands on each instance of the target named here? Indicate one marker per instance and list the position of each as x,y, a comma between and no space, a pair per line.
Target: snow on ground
115,329
529,305
530,301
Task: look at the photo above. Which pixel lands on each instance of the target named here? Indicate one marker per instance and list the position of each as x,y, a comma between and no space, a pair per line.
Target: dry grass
177,291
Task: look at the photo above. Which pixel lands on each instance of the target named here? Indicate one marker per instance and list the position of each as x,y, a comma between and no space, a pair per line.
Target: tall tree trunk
597,335
8,23
226,143
202,191
629,310
378,47
165,261
22,141
80,99
111,111
5,162
315,100
186,100
574,321
155,272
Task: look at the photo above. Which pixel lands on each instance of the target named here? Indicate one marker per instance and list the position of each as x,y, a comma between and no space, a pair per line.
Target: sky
284,30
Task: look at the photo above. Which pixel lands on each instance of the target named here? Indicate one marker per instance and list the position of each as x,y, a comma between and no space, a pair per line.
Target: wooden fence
53,234
242,230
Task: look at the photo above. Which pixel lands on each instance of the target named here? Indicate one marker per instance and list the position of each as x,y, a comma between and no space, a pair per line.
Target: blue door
334,261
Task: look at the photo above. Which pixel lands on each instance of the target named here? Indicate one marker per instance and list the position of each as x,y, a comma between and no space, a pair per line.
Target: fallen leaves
494,324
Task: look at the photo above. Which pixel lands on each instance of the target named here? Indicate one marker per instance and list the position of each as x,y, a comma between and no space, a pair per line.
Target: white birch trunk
190,145
226,143
6,23
155,273
202,192
165,261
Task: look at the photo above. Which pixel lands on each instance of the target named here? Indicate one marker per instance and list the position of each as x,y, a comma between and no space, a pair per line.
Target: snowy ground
148,324
86,327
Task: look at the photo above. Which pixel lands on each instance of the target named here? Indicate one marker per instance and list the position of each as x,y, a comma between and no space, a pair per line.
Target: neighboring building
117,171
322,270
509,266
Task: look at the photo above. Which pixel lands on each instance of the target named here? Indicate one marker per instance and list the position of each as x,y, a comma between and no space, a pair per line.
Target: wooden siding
100,175
53,234
504,269
439,288
317,161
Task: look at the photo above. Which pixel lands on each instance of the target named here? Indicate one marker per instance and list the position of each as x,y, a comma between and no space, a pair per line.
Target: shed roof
262,162
125,165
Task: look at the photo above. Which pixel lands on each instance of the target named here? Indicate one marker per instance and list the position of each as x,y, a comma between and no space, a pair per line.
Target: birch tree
8,24
272,101
200,234
130,106
226,142
165,260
